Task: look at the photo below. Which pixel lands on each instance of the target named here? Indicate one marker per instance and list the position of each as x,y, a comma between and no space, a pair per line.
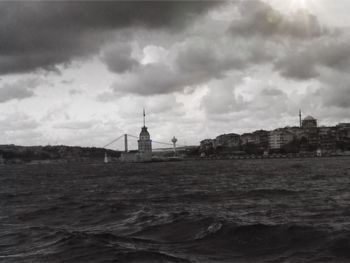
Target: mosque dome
309,122
309,118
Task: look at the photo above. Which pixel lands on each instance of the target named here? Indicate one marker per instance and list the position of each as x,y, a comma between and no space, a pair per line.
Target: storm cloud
258,35
192,65
119,59
43,34
335,90
19,90
187,64
304,64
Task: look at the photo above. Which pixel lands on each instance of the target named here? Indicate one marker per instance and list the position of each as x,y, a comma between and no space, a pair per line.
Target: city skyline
80,73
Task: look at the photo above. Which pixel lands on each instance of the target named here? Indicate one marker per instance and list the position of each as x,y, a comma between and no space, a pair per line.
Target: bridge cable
113,141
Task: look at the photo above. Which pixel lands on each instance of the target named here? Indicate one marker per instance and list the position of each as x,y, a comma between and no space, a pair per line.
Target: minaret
300,118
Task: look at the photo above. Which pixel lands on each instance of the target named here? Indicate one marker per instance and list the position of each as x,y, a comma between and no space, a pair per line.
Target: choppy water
200,211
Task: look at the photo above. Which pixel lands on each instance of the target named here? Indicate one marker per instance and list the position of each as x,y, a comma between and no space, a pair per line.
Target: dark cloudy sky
79,73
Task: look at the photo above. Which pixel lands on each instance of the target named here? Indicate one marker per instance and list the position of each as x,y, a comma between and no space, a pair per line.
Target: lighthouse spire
144,118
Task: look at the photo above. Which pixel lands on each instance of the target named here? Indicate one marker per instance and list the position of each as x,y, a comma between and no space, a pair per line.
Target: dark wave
180,230
147,256
59,245
186,229
189,235
209,236
271,192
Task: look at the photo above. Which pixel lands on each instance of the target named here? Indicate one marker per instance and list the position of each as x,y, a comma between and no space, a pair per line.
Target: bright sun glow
291,6
299,4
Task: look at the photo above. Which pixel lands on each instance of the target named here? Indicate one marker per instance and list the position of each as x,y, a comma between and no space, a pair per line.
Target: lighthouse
145,142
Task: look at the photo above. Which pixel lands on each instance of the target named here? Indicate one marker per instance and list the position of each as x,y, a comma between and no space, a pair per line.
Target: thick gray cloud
263,44
9,93
304,64
189,69
42,34
119,59
20,89
271,92
206,57
338,97
151,79
195,62
335,90
205,62
260,19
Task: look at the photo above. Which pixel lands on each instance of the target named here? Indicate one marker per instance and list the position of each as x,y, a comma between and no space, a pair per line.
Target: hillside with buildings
59,153
308,138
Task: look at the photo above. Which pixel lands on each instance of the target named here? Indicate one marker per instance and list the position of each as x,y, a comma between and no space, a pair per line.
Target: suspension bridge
125,139
126,136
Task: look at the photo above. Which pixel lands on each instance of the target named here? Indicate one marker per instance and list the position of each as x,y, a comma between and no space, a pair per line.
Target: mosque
308,122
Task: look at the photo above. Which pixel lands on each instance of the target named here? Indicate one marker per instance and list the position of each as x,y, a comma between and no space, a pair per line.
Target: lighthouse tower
145,142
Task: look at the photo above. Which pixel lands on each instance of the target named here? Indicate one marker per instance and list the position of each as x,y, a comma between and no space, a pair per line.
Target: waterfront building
327,137
261,138
343,136
324,131
247,138
312,138
230,140
279,138
343,131
206,144
297,131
